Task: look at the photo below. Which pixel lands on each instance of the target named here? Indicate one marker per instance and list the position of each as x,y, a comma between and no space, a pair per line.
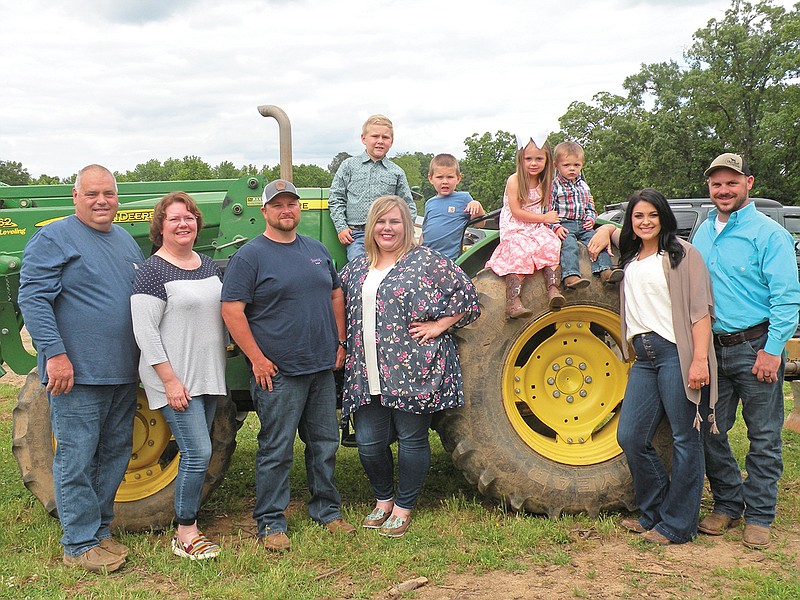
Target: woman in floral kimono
402,365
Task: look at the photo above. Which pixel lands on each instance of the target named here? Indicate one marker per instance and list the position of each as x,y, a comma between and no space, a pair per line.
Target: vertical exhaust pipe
285,137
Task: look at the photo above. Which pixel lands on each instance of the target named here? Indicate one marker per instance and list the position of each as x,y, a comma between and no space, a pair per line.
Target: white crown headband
539,140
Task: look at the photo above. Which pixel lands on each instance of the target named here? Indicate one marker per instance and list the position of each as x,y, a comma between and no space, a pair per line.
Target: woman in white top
666,309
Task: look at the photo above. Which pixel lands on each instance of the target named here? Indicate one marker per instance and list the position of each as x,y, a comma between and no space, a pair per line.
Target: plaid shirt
572,199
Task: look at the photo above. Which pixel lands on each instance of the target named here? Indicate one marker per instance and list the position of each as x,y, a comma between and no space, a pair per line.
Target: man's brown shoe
755,536
575,282
654,537
717,524
113,546
632,525
95,560
341,526
276,542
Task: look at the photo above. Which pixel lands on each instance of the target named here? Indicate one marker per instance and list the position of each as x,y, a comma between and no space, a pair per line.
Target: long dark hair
629,243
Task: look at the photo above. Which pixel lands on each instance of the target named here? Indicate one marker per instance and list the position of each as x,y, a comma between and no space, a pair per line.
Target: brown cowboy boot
552,277
514,307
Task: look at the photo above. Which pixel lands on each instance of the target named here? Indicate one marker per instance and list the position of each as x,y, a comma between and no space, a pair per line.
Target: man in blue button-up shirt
751,260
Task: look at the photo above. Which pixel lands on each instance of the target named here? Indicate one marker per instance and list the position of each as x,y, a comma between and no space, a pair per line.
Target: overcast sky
122,81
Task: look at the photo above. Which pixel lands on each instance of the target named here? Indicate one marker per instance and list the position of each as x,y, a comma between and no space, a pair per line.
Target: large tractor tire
145,498
542,401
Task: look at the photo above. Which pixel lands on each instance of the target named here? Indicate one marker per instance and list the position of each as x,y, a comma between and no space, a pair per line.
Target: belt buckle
731,339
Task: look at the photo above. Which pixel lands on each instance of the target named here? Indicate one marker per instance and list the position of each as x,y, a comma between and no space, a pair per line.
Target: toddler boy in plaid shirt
572,200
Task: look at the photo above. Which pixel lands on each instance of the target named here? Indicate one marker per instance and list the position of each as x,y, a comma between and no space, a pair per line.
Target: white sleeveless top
647,303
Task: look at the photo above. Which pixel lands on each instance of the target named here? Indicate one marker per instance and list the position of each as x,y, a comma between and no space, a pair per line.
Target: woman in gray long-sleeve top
178,325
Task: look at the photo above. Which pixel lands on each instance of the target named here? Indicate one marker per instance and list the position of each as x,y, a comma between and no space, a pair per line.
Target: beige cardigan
691,297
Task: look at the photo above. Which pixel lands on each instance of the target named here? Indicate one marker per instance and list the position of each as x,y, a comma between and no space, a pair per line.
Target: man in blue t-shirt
75,287
447,213
283,306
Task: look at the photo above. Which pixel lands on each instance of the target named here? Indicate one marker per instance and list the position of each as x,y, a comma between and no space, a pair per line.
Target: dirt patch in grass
624,567
601,566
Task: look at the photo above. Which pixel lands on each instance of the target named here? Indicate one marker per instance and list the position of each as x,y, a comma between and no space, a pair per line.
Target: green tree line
737,90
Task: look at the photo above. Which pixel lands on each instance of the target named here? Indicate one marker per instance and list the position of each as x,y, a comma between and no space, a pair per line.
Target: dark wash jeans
304,405
375,429
762,410
670,505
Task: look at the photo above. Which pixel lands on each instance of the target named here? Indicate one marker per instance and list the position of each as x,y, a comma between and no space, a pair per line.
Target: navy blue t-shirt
287,291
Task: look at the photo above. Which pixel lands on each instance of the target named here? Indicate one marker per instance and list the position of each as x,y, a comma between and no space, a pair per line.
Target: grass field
466,547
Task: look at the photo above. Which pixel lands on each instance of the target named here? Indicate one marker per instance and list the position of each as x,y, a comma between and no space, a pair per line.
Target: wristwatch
343,344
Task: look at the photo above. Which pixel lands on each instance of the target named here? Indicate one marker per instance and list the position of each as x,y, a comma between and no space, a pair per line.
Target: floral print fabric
417,378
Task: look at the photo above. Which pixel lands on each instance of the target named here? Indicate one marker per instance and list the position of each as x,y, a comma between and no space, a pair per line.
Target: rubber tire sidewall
483,443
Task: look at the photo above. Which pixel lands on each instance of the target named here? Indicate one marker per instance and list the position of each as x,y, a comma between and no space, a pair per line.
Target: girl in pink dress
527,243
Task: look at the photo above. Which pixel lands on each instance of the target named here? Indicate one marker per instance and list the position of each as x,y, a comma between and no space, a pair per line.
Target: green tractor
537,433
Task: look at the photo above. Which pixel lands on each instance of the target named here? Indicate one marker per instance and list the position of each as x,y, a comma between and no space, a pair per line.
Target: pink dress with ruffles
524,247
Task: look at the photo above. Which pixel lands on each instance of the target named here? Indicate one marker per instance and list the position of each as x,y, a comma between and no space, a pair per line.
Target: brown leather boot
514,307
552,277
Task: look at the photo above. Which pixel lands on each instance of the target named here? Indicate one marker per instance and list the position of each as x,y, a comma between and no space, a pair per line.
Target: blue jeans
191,429
570,256
93,427
375,428
762,409
355,249
305,404
670,505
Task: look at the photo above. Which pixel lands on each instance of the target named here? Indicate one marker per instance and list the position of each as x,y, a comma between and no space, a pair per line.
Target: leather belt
357,227
731,339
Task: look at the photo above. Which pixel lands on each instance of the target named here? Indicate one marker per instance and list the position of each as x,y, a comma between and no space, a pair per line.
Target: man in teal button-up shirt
751,260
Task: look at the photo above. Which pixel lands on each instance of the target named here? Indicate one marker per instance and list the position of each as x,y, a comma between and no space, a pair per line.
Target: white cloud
122,82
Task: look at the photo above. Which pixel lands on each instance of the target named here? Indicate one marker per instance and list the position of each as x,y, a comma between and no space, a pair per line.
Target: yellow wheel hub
154,458
563,381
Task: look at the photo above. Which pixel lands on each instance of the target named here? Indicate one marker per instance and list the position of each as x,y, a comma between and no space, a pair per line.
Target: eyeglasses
188,220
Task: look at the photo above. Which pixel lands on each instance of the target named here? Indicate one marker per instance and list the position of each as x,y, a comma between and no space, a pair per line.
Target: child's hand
588,224
475,209
345,237
551,217
561,232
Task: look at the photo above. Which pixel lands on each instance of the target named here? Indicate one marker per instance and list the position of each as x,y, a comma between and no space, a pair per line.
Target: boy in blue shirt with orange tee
447,213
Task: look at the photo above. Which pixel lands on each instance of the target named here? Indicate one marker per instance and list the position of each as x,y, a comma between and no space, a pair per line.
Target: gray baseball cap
728,161
279,186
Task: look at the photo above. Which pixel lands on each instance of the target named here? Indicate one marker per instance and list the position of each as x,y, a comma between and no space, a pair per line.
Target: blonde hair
377,120
568,149
445,161
545,182
380,207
